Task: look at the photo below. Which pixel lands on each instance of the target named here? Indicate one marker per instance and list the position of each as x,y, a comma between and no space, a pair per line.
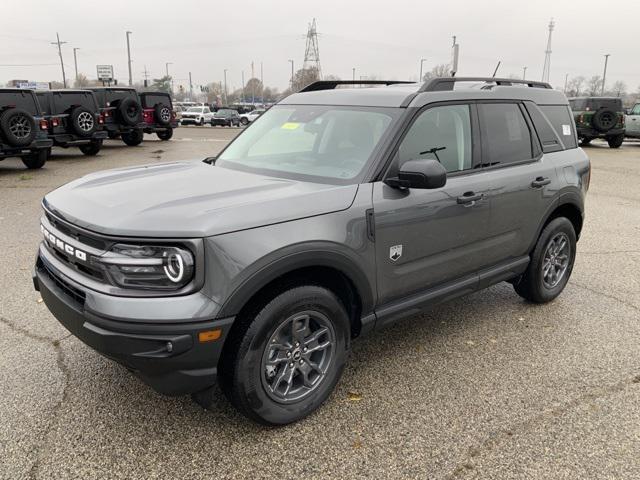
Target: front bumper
166,354
190,120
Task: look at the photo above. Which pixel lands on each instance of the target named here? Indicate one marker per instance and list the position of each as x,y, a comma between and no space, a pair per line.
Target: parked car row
31,122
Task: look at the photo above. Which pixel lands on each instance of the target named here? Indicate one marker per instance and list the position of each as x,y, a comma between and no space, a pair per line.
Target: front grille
76,294
72,232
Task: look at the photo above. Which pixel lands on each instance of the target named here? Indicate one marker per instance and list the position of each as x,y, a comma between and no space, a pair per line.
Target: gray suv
336,213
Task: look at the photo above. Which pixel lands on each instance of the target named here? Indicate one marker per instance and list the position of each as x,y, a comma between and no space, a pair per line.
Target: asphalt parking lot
486,386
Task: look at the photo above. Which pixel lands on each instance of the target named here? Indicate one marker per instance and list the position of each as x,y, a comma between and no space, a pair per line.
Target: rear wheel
615,141
36,159
244,121
133,138
91,148
166,134
551,263
284,360
201,123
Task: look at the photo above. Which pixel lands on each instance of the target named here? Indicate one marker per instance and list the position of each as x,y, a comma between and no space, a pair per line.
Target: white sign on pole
105,73
34,85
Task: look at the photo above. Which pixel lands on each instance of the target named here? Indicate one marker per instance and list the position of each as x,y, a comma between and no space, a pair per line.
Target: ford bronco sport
23,128
158,114
599,117
337,212
74,119
122,113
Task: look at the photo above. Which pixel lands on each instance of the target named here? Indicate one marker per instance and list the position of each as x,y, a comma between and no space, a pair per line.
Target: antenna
496,70
312,52
547,58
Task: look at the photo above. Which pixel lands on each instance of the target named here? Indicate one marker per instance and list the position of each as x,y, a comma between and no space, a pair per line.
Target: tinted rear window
150,100
23,100
43,100
562,121
506,134
591,104
63,101
112,95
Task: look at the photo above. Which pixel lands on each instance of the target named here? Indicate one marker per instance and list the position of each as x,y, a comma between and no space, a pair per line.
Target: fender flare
569,197
294,258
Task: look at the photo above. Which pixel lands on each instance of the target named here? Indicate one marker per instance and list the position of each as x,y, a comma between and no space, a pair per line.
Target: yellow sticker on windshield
290,126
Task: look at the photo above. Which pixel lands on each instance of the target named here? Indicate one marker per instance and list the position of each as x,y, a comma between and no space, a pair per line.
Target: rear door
425,238
523,180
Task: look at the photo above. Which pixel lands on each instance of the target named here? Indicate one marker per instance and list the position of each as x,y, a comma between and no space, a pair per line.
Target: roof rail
331,84
448,83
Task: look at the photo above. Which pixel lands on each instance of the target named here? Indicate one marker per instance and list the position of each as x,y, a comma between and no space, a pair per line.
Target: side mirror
420,173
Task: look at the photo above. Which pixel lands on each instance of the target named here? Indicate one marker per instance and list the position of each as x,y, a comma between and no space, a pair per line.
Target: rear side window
150,101
635,110
561,120
63,102
506,135
22,100
43,100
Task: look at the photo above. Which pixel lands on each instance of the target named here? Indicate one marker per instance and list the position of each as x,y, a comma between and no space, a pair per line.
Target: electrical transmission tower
311,52
547,58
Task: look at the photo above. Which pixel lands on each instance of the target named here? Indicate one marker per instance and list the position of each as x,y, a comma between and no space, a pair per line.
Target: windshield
195,109
318,143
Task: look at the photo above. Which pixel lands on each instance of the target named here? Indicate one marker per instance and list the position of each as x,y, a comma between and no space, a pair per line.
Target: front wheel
551,263
91,148
166,134
36,159
201,123
615,141
281,364
244,121
133,138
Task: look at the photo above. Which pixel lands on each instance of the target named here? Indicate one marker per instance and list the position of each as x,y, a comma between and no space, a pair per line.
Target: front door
429,237
633,121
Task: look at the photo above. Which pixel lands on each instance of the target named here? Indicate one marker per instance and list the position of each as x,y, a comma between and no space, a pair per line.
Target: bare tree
594,85
442,70
574,86
619,89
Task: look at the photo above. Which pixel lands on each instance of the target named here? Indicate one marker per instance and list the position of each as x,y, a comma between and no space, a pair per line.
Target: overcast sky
205,37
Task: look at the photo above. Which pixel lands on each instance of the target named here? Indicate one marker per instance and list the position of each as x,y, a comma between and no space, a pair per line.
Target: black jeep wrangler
599,117
74,119
158,114
23,128
122,112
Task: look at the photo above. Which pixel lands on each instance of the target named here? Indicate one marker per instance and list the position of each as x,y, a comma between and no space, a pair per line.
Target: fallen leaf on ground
40,300
354,397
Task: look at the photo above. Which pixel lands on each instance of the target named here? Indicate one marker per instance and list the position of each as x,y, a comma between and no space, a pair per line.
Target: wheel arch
569,205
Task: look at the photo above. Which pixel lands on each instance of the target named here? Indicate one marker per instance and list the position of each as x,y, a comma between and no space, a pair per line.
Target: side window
505,133
561,119
636,109
441,133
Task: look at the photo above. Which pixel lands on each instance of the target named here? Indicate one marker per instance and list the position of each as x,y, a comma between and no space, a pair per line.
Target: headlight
148,267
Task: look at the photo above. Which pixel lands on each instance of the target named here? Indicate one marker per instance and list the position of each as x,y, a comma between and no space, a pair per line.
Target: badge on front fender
395,252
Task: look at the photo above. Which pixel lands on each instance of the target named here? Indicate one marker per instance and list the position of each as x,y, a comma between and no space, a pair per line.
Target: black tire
533,285
162,113
604,120
201,123
133,138
615,141
129,112
243,376
36,159
584,142
83,121
18,127
92,148
166,134
244,121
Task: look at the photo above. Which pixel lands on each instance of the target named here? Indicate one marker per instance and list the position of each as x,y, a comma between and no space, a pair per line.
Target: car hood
189,199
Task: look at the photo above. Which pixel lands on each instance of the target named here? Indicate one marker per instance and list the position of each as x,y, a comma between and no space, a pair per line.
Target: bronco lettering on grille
64,247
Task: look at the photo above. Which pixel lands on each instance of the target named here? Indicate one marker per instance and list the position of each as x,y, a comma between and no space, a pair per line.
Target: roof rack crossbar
448,83
332,84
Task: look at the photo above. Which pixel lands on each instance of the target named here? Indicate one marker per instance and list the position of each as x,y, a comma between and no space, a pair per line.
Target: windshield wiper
434,151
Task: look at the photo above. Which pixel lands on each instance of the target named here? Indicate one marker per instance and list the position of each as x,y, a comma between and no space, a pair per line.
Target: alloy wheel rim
20,127
85,121
165,115
297,356
556,260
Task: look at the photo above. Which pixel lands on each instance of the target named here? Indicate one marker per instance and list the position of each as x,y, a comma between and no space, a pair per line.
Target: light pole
291,62
354,74
524,73
242,86
129,58
566,82
166,67
604,75
225,87
422,60
75,61
59,44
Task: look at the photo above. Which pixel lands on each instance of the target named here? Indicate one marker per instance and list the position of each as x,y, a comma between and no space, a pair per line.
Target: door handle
469,197
540,182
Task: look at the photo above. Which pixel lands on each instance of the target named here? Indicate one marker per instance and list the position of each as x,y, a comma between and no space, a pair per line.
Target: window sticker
290,126
566,130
